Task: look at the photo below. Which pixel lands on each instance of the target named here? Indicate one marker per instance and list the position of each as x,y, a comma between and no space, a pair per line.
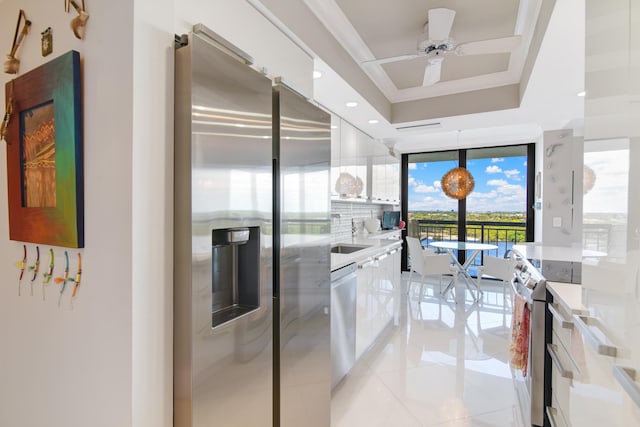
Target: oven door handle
526,297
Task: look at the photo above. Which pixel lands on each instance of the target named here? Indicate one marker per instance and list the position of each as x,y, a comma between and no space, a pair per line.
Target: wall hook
46,276
79,23
34,268
65,278
12,64
21,265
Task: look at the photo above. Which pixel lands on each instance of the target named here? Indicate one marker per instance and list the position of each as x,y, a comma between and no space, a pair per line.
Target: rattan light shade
457,183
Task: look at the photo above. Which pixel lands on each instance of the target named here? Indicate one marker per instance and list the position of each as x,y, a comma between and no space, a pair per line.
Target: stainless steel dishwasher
343,321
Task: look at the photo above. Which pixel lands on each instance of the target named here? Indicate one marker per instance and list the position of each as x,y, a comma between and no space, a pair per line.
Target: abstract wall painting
44,155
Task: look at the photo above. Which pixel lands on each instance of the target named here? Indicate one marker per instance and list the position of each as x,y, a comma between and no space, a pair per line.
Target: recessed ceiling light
373,121
334,127
351,104
583,93
317,74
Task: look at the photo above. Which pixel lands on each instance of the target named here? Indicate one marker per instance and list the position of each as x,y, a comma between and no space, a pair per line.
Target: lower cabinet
377,299
586,389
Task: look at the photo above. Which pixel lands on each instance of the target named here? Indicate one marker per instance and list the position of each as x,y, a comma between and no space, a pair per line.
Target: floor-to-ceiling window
499,210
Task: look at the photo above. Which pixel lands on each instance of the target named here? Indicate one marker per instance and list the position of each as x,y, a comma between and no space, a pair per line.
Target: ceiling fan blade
391,59
503,45
432,72
440,22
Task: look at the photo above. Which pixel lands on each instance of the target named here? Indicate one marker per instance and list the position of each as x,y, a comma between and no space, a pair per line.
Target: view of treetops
499,196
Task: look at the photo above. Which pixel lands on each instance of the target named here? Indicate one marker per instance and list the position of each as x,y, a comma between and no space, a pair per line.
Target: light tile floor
444,364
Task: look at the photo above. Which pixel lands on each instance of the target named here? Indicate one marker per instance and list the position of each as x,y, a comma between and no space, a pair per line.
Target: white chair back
500,268
426,261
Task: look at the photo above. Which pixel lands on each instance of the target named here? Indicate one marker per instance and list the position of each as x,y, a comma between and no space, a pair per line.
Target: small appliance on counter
390,220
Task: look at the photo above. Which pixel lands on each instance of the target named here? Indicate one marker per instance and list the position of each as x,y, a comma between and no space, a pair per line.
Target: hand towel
520,328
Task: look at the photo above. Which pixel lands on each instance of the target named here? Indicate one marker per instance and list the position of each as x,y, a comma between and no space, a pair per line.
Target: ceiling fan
436,43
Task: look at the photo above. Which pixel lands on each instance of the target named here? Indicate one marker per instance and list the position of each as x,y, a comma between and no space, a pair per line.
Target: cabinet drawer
562,373
555,415
562,324
595,398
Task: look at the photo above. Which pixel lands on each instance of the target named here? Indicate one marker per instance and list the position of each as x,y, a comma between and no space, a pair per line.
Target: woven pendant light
458,183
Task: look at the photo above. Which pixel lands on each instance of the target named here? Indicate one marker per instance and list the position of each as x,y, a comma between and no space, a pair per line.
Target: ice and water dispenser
235,280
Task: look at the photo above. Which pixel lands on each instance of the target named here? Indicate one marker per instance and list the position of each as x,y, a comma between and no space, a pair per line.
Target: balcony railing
502,234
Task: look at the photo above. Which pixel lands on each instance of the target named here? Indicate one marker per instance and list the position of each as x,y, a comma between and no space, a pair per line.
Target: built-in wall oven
531,385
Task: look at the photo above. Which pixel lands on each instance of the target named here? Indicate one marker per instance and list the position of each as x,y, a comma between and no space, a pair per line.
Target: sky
500,185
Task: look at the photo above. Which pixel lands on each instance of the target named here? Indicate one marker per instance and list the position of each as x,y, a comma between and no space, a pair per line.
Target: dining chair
496,267
427,262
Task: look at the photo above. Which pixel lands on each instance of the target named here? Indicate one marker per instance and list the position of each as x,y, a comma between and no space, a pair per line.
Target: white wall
245,27
561,188
62,366
108,360
152,214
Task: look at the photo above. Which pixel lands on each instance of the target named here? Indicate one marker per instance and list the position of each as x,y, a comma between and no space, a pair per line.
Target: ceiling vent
424,126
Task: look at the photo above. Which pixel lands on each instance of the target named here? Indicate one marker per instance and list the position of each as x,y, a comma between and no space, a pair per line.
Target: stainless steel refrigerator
252,245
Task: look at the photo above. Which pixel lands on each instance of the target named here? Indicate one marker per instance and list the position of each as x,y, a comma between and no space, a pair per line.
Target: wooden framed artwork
44,155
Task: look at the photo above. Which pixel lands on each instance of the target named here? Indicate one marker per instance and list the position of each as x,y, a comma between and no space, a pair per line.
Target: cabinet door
365,307
364,152
378,172
335,154
393,179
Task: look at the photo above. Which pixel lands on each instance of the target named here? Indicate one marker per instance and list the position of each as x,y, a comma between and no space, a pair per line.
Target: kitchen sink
347,248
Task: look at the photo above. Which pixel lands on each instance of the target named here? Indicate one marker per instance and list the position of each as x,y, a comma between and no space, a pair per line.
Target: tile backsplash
343,212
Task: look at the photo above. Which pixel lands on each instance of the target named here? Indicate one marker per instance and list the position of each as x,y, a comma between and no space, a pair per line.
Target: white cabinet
378,296
349,177
587,386
385,176
362,168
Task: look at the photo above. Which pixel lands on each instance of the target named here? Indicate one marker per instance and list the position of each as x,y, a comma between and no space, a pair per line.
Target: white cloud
493,169
513,174
412,182
504,198
426,189
437,184
525,163
497,159
413,166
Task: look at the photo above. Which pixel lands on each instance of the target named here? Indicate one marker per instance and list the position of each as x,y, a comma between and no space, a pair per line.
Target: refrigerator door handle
627,379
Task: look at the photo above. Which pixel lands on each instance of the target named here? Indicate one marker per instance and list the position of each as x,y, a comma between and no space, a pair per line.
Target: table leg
462,268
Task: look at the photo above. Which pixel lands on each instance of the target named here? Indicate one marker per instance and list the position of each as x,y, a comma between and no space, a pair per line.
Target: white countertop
376,245
535,250
569,295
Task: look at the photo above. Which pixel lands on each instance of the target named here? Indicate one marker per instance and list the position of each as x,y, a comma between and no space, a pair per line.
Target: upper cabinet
362,168
385,176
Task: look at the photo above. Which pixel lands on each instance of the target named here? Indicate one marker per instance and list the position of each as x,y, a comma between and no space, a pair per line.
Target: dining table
450,246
